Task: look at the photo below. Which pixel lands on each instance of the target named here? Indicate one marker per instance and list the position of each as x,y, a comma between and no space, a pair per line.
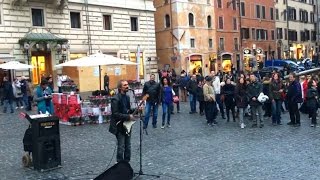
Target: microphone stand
140,173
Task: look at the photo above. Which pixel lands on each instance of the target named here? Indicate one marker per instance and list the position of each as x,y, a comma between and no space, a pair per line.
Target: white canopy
15,65
96,60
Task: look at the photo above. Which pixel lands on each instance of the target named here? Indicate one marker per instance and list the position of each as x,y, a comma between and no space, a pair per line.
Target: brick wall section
250,21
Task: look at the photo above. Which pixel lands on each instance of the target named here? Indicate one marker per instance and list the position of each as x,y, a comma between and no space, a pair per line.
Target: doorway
41,63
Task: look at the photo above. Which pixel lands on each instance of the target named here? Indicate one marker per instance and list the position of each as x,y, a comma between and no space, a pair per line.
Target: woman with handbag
312,102
275,95
167,94
241,99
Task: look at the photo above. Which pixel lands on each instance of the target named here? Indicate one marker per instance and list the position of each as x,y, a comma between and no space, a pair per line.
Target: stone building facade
296,35
185,35
45,33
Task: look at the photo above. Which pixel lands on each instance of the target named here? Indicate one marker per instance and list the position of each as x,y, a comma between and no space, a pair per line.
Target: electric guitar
128,124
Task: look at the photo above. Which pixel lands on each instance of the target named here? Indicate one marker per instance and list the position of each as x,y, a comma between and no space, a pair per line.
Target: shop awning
42,37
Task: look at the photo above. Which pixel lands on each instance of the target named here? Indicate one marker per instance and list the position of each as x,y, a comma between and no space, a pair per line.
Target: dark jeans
232,108
313,112
59,89
294,112
19,102
193,102
30,99
166,111
210,111
220,104
267,109
178,107
154,107
124,147
8,103
201,106
276,111
25,100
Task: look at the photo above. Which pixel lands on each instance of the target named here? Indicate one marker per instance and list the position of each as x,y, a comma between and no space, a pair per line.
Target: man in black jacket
106,81
8,95
192,89
151,88
120,108
294,96
254,90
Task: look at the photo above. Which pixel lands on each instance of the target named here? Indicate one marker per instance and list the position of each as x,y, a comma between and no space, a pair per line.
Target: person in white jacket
217,89
16,85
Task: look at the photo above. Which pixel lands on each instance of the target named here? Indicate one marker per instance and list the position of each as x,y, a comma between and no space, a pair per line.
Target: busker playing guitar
121,112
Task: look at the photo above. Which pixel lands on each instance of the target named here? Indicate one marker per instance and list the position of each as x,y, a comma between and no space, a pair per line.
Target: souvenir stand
67,105
96,110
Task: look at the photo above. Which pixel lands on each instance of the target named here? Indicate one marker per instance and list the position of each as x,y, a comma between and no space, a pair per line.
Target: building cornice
146,5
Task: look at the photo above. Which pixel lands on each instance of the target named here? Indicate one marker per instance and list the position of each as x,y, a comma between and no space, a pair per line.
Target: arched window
209,21
191,19
167,21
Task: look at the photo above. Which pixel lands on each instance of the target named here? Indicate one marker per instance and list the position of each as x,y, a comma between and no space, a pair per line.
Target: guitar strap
124,102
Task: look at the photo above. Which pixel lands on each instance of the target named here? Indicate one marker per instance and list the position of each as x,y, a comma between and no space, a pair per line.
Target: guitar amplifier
46,151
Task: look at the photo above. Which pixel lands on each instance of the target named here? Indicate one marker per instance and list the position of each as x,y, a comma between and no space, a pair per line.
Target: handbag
175,99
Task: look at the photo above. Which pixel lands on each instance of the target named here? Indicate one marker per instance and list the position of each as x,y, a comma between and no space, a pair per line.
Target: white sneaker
242,125
17,107
169,126
162,127
21,107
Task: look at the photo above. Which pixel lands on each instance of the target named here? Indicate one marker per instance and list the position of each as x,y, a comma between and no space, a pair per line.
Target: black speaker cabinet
120,171
46,151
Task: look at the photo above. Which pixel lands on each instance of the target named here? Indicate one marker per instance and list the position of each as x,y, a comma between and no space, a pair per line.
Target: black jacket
228,92
241,96
106,80
154,90
192,87
175,84
294,94
120,113
200,96
23,86
274,89
312,100
266,89
8,90
254,90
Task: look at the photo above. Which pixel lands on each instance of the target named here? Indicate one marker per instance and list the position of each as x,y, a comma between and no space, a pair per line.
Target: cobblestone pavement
188,150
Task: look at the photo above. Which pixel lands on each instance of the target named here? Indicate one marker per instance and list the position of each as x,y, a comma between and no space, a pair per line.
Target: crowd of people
234,97
21,94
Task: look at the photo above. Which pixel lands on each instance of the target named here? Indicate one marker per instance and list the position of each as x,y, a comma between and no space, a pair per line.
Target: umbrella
15,65
98,59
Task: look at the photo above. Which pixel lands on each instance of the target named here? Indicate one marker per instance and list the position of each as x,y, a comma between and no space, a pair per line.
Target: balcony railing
59,4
